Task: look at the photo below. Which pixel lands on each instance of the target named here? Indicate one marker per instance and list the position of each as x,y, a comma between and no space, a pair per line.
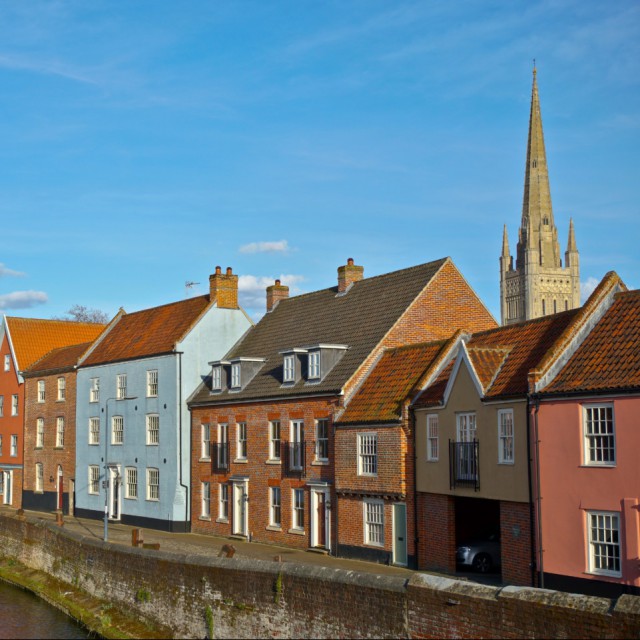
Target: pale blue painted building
132,421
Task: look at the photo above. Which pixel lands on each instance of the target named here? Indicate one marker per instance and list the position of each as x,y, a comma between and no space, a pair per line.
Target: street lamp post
106,464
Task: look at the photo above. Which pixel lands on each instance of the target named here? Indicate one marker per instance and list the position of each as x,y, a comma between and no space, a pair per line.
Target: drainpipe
536,400
416,529
532,519
180,479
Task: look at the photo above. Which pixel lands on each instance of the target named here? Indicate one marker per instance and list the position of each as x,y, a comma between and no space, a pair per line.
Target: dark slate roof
609,358
62,359
358,319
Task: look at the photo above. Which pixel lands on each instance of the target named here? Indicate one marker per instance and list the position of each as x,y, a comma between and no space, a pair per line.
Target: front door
60,488
240,514
114,493
400,534
8,476
321,520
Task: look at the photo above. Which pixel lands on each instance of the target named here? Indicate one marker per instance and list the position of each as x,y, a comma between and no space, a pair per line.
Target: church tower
539,284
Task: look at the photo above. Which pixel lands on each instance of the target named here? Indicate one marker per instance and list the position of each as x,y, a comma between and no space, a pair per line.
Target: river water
23,615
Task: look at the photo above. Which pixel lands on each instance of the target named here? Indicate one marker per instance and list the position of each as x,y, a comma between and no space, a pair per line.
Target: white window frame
7,362
94,479
235,375
117,430
596,438
275,440
94,390
153,484
60,432
297,509
14,445
314,365
39,477
62,388
605,524
288,368
296,437
39,433
205,441
205,500
506,423
433,437
152,421
322,442
216,378
241,441
223,501
368,454
94,434
42,395
131,483
373,520
152,383
121,386
275,507
15,402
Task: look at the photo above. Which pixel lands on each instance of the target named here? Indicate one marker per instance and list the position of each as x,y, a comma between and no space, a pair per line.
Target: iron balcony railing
294,459
464,470
220,456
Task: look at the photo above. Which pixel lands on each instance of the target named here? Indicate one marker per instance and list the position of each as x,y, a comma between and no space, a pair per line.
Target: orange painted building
23,341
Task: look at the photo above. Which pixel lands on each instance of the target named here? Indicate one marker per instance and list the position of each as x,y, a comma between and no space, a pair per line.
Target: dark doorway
478,535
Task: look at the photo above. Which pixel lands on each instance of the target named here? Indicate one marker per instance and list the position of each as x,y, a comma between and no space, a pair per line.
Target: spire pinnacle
505,243
571,243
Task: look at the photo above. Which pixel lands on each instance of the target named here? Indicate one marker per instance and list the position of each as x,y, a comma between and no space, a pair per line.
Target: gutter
532,520
187,502
540,549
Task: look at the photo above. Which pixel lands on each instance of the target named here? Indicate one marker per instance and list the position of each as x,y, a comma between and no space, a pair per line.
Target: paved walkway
193,543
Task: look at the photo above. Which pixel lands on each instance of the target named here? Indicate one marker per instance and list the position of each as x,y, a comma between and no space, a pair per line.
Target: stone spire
538,227
505,243
571,244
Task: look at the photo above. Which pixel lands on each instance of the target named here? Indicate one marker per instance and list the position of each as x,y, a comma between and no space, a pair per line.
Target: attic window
314,365
235,375
216,378
289,370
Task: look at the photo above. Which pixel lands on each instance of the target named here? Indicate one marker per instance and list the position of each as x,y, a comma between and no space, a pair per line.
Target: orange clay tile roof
32,338
609,357
148,332
391,382
487,363
526,344
58,359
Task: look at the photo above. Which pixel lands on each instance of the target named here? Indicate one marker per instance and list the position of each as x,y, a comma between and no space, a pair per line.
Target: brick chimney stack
348,274
275,293
224,288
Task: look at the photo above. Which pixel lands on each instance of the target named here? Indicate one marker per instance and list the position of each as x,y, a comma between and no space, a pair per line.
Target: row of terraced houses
389,419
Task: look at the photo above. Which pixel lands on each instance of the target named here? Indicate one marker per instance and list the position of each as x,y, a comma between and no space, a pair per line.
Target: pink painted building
588,428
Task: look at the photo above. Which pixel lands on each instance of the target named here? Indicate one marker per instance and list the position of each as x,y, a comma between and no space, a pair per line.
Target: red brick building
22,342
263,432
50,439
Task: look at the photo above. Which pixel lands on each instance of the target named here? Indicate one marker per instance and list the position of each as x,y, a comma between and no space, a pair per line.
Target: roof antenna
189,285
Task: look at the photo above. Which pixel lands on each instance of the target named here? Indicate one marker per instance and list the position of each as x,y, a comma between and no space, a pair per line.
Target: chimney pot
349,261
218,270
277,283
229,271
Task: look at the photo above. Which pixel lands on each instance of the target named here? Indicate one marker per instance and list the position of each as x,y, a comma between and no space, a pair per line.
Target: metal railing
294,459
220,456
464,470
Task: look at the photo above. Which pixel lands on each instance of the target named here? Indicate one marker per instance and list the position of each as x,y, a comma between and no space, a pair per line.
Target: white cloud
5,271
586,288
277,246
22,299
252,289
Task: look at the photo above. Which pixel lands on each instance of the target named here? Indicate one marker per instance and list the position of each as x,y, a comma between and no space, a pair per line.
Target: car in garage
481,554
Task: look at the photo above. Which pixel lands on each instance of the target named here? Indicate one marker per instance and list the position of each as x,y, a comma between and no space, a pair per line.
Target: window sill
131,497
153,500
38,448
374,545
273,527
60,400
320,463
58,448
222,520
94,444
204,459
604,574
153,444
241,461
273,461
507,464
296,532
433,460
594,465
205,518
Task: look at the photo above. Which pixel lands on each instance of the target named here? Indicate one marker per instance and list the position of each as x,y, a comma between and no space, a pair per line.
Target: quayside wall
218,597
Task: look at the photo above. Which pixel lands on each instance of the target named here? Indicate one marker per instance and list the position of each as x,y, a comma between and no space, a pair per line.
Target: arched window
544,307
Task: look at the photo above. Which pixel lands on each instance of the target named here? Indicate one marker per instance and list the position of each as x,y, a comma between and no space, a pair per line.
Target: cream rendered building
539,284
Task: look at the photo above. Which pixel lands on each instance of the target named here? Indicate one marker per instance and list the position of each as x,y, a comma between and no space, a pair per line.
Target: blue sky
144,143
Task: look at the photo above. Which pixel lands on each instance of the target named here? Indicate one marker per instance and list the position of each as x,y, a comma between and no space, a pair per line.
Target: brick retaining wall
251,598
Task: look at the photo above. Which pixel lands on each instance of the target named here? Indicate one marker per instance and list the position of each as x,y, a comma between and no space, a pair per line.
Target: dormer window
216,378
235,375
289,374
314,365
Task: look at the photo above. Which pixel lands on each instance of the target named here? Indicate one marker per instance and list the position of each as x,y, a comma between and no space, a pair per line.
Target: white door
321,521
240,509
400,534
114,493
8,477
